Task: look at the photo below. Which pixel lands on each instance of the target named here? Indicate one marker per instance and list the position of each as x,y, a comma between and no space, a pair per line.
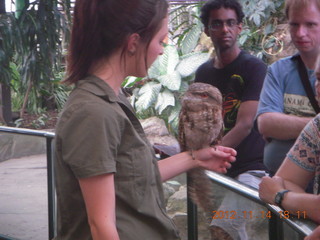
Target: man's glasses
219,24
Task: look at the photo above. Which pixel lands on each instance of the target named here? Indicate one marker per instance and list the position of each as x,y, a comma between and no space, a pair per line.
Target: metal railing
303,227
49,136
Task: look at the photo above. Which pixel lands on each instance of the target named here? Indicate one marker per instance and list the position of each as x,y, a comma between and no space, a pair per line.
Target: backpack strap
306,83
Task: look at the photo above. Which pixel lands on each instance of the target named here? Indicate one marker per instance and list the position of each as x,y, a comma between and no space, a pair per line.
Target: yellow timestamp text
258,214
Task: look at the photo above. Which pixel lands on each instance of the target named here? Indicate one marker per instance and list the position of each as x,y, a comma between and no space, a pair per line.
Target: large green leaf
190,41
148,95
165,63
130,81
155,70
190,63
165,99
172,81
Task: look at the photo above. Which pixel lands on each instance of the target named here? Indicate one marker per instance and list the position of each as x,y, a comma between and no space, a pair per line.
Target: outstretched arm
292,177
217,159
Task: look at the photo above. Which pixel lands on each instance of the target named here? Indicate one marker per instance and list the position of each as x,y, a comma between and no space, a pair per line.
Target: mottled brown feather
200,126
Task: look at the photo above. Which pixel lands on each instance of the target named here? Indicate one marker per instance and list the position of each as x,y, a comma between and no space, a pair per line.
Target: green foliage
167,79
37,123
170,75
40,121
35,43
10,46
262,18
32,54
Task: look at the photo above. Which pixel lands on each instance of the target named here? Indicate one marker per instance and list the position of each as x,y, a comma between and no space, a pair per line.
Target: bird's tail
201,191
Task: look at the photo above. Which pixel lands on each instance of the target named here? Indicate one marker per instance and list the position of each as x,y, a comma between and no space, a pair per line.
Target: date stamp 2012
257,215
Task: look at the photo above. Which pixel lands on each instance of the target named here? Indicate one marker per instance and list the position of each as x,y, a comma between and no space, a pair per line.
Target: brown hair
299,4
101,27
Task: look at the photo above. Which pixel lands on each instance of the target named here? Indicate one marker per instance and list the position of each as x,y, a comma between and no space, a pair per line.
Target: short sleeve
271,98
90,137
305,151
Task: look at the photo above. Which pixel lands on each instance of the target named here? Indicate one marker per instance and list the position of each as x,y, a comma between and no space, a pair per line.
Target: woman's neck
110,72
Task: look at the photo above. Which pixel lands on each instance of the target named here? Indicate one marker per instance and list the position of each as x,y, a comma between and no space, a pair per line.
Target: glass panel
23,188
289,233
236,216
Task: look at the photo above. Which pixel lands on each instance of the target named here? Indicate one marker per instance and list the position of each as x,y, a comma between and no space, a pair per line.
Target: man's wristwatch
279,197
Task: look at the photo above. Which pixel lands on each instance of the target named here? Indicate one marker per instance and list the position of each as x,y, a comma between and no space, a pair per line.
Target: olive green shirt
98,133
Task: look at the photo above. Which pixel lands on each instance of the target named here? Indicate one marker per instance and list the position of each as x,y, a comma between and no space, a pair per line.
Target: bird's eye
203,95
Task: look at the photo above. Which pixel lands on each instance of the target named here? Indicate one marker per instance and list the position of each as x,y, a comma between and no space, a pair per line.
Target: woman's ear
133,43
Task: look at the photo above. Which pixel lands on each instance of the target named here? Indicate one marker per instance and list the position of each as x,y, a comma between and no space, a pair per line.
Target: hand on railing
269,187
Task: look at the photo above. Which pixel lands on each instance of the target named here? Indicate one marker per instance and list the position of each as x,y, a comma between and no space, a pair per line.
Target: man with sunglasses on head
239,76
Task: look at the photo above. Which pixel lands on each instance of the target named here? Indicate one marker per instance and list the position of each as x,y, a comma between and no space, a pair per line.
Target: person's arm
99,196
315,235
243,126
292,201
281,126
294,178
216,159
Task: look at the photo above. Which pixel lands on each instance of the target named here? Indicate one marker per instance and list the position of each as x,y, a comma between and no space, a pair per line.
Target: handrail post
51,189
192,215
275,227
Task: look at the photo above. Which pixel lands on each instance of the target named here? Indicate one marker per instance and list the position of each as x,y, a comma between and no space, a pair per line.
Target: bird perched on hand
200,126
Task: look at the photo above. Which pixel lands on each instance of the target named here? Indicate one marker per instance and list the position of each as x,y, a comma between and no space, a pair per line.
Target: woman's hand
269,187
216,158
315,235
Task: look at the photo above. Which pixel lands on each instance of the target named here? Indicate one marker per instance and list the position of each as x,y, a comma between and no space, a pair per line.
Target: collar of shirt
97,87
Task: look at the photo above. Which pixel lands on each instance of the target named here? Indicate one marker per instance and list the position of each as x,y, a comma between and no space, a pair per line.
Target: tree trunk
6,113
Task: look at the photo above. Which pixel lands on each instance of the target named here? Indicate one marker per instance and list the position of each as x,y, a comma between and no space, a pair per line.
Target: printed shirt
306,150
